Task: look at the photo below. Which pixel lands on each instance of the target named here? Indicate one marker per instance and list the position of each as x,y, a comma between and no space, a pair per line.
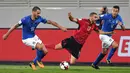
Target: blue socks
39,56
99,58
111,53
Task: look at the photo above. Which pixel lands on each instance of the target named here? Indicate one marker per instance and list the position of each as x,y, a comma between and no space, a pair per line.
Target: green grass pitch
56,69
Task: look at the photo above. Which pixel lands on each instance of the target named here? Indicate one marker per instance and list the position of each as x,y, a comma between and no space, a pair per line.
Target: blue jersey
99,21
110,23
29,26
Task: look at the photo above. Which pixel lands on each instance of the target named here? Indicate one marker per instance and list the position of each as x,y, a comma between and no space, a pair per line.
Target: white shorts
32,41
106,40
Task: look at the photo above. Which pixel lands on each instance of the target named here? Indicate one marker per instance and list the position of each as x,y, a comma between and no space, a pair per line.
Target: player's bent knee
39,46
115,45
59,46
105,51
56,47
45,52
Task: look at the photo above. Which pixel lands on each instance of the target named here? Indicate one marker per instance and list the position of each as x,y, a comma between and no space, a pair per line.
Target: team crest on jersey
32,28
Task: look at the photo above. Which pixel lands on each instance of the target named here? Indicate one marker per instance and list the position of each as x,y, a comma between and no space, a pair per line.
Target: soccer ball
64,65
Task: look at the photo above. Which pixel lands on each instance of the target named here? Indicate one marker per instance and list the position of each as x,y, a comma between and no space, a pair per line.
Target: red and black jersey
84,30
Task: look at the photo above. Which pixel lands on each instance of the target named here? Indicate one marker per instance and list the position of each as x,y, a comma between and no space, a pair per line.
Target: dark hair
105,10
35,8
104,7
116,7
92,13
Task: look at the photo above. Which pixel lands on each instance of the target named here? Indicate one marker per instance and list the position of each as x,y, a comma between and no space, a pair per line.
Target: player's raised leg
58,46
54,46
111,53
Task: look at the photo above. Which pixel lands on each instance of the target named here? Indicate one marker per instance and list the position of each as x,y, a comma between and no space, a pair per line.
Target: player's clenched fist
69,14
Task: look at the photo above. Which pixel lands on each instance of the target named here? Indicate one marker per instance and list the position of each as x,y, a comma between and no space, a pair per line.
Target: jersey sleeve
79,21
103,16
43,20
22,21
120,19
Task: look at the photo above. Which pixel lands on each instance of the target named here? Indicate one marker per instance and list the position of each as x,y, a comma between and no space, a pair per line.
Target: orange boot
40,64
32,65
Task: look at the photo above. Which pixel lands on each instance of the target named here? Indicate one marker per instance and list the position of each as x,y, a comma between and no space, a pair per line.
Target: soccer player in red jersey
75,42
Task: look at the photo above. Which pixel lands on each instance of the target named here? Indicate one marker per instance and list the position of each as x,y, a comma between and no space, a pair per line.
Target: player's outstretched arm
5,36
57,25
71,18
102,32
122,26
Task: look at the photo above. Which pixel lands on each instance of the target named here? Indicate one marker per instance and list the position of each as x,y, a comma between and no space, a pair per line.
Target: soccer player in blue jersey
110,22
29,38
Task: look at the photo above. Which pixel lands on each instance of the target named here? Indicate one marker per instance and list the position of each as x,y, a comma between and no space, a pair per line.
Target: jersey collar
90,22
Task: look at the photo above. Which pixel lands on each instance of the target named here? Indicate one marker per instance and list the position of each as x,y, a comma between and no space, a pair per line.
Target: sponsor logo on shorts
33,42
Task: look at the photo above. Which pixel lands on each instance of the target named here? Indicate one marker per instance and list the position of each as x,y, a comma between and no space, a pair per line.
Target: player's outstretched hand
5,36
71,18
69,14
119,23
64,29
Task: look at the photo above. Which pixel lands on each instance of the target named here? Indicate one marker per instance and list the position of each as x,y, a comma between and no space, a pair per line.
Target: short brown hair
92,13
